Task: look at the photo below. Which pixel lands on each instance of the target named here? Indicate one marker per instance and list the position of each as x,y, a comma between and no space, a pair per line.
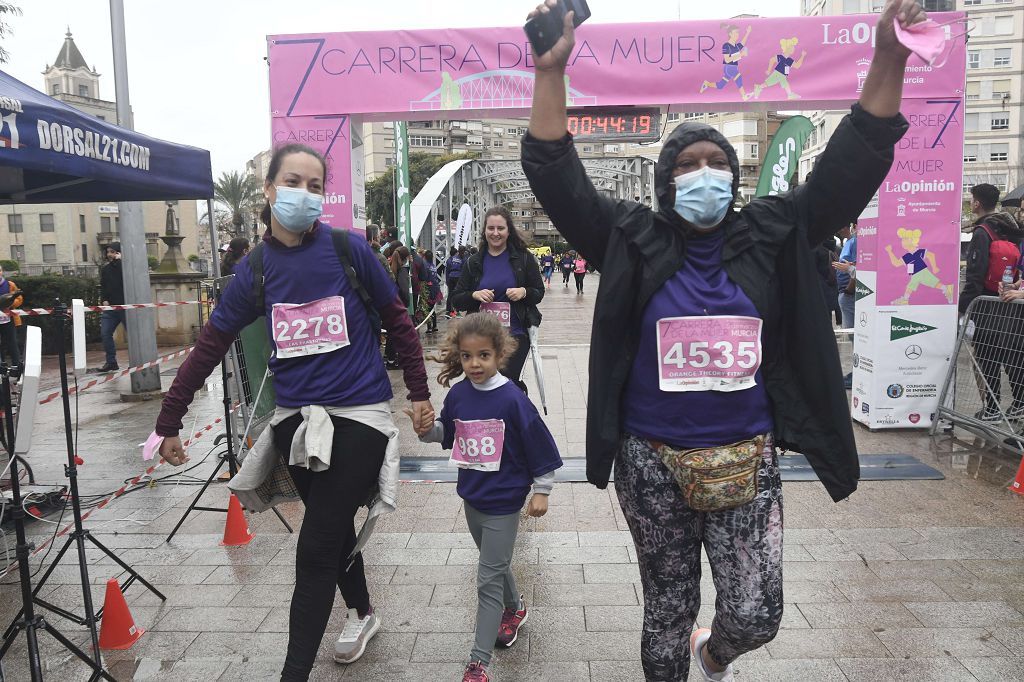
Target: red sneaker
475,672
511,621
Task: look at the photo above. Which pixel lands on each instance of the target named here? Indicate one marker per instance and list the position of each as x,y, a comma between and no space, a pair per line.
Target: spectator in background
9,350
430,290
112,293
995,342
452,272
845,276
824,255
236,249
846,283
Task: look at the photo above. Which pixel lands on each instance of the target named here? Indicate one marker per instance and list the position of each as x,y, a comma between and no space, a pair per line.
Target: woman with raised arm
719,351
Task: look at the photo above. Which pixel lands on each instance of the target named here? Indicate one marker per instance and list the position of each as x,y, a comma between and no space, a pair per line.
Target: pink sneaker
475,672
511,621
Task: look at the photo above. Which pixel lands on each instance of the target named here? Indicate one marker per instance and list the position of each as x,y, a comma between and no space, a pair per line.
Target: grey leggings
744,546
495,537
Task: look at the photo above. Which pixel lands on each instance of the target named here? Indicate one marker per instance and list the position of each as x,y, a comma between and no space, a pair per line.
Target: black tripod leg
125,566
283,521
42,581
195,501
99,672
35,666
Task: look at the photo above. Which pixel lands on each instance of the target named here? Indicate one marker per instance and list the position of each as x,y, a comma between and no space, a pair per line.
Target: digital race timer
626,124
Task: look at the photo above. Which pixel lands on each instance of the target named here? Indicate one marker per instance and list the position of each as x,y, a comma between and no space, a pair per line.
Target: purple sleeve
406,342
908,258
235,311
375,279
395,318
210,348
539,446
448,442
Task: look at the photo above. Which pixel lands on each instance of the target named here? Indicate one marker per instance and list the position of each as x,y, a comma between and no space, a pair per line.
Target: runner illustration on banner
778,72
733,49
920,264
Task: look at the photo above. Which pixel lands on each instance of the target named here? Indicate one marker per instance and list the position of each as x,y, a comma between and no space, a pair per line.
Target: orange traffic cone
1018,483
117,627
236,529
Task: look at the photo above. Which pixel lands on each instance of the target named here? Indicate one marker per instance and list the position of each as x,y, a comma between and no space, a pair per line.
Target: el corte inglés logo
901,329
861,290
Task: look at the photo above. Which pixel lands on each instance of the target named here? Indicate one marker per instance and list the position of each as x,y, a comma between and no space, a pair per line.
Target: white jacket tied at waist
264,482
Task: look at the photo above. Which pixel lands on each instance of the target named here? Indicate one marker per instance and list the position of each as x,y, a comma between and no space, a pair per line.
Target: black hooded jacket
1004,227
767,252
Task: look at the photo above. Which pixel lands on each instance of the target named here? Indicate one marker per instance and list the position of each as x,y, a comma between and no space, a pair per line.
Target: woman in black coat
503,278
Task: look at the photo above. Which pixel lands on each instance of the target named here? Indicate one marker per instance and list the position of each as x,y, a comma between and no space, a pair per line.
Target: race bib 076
478,444
709,353
503,311
309,328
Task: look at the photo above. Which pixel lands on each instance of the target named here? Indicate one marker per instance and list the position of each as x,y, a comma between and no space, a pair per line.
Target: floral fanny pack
715,479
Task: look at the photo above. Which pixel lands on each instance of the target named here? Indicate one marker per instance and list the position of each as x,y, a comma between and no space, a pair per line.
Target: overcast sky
196,68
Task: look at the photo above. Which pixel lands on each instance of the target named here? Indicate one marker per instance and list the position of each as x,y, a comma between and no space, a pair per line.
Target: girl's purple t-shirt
529,449
350,376
498,275
699,418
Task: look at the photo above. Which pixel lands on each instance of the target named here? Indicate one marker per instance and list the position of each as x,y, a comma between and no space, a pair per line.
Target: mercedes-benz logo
913,352
863,319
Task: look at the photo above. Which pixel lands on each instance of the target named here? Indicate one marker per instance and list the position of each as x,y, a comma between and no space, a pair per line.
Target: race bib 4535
708,353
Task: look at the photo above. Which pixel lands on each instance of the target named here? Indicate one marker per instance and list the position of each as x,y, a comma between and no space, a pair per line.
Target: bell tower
70,75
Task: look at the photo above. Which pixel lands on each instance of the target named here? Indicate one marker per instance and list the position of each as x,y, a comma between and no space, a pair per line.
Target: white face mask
703,196
296,209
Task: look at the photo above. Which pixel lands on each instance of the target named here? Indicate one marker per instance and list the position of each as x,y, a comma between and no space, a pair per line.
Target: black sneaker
988,414
108,367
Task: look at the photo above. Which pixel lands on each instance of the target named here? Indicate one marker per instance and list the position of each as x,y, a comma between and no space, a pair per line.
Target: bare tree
7,10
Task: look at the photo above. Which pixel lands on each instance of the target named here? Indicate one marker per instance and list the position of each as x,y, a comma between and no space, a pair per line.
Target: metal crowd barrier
984,388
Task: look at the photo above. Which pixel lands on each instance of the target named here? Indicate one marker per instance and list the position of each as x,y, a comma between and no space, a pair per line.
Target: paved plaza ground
906,580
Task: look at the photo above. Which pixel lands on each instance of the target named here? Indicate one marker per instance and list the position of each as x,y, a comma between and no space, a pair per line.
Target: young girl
501,447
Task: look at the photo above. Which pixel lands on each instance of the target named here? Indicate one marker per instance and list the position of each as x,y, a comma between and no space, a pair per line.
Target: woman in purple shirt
503,278
711,344
330,386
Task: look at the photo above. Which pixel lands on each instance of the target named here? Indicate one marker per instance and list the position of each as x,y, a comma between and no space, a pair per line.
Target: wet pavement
913,580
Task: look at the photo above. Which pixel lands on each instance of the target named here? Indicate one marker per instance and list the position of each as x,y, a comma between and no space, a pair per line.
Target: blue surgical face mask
296,209
703,196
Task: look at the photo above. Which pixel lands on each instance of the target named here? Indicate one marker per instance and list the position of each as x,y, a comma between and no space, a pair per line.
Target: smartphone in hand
544,30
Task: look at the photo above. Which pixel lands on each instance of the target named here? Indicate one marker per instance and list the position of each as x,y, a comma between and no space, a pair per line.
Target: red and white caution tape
99,308
117,375
120,491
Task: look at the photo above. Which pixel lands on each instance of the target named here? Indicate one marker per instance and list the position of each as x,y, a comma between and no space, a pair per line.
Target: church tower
71,80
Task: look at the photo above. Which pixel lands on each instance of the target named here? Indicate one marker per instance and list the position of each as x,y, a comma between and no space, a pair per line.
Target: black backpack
343,248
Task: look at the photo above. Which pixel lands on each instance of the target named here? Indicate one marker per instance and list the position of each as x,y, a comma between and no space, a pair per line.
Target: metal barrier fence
984,388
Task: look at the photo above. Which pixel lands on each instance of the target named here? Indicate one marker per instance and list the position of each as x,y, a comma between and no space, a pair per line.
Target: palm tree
7,9
240,194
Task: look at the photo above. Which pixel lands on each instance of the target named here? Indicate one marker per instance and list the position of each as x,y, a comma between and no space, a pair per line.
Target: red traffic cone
1018,483
236,528
117,627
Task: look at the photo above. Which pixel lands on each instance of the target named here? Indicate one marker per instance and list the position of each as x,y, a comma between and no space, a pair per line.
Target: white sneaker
352,641
698,640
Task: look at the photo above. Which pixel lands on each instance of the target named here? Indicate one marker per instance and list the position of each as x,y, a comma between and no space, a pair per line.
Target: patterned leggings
744,547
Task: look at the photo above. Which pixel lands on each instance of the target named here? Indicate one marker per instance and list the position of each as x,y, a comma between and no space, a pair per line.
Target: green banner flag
780,162
403,199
